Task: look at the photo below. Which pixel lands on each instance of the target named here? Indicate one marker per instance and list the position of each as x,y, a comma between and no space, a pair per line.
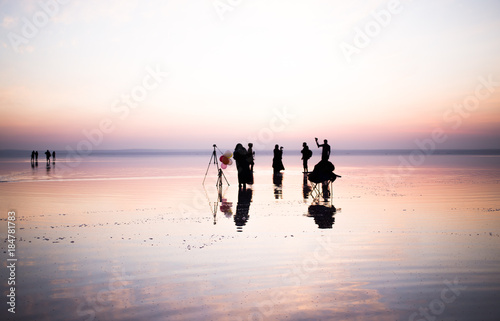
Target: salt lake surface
138,237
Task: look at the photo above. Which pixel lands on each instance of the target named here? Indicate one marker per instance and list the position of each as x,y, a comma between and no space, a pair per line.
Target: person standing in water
53,156
306,154
325,154
240,155
47,154
278,159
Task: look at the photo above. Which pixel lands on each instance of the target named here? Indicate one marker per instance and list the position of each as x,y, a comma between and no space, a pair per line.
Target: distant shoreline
10,153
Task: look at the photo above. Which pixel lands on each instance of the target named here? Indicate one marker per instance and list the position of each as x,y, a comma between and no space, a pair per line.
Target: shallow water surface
135,238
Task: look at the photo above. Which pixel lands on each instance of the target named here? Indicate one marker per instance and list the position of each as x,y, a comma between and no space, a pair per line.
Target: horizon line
358,151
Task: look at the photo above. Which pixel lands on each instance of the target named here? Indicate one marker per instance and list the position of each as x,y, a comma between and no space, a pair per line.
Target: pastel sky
186,74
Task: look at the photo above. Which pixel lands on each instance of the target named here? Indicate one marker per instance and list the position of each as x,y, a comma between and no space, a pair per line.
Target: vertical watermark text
11,261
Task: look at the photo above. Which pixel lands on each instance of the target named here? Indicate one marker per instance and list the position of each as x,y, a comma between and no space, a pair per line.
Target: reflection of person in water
323,215
326,191
278,159
241,157
325,153
278,189
306,154
306,188
242,208
251,156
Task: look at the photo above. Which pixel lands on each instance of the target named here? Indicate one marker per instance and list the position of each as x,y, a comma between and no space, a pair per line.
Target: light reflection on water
159,246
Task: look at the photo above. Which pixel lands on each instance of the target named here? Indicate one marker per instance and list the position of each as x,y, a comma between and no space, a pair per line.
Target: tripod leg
219,179
225,179
209,163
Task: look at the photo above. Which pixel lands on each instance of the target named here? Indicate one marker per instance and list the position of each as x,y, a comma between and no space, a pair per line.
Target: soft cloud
226,76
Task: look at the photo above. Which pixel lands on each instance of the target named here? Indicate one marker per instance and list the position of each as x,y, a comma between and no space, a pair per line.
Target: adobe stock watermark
437,307
452,118
280,119
223,7
362,38
295,276
120,109
30,28
199,204
94,304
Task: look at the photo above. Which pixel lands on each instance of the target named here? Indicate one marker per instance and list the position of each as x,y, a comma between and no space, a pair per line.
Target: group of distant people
245,160
48,154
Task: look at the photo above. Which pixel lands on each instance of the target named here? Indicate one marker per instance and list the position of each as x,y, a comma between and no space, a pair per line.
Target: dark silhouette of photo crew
48,155
325,153
306,155
323,171
316,184
278,159
244,165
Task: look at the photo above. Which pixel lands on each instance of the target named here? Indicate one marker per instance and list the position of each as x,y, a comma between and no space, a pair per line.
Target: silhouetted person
251,156
323,171
325,154
241,157
32,157
278,159
306,154
54,156
36,157
47,154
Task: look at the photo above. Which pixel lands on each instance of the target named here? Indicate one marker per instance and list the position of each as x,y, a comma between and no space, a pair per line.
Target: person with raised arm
325,154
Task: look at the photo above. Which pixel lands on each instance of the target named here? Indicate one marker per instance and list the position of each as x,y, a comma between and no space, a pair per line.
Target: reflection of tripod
220,173
215,204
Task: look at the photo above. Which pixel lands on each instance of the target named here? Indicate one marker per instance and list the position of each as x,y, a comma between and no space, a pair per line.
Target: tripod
220,173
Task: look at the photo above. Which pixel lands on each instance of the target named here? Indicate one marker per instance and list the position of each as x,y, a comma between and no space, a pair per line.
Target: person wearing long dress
278,159
242,165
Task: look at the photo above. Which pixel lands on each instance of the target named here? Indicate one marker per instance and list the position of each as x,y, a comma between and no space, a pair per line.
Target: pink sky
187,75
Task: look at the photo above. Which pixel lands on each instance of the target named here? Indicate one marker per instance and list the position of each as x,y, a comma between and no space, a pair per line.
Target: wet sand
137,239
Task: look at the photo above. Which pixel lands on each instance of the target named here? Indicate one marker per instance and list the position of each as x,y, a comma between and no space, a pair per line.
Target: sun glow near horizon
231,73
